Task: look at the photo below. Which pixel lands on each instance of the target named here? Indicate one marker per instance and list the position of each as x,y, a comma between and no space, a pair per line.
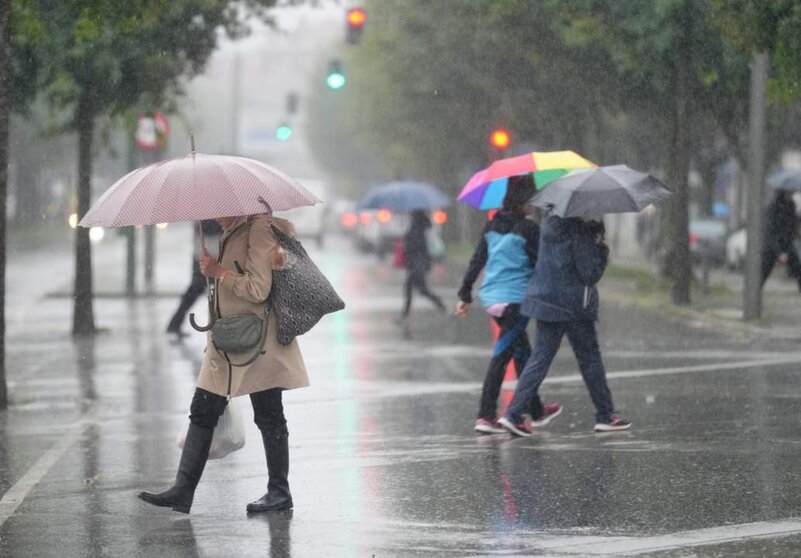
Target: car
378,230
708,241
311,222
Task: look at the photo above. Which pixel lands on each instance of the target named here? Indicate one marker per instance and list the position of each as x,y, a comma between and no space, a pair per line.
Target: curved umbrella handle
196,327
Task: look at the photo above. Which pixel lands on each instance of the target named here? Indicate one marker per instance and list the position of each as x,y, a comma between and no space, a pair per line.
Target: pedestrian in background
418,263
507,252
249,251
197,285
563,298
780,231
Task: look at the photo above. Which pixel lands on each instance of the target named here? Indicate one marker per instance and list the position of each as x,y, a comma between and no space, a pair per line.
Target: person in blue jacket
507,252
562,297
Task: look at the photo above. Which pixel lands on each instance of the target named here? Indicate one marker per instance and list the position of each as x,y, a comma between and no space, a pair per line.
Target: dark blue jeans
584,340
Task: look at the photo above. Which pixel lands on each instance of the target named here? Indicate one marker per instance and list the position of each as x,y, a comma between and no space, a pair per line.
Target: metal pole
130,232
752,293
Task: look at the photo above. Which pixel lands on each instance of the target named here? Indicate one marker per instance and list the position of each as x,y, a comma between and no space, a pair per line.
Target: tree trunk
680,168
752,292
5,118
83,321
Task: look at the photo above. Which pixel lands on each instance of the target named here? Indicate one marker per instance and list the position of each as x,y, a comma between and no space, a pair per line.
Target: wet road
384,461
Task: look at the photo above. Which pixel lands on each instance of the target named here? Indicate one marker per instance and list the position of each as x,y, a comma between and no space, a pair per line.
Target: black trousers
769,255
512,343
268,412
416,279
196,288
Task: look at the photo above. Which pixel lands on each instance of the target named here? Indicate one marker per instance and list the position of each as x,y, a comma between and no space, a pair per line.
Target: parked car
708,241
378,229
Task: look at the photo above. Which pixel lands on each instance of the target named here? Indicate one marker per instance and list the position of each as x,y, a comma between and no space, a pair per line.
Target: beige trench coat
251,242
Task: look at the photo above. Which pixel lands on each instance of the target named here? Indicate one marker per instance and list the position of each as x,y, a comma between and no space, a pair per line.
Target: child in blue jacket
507,252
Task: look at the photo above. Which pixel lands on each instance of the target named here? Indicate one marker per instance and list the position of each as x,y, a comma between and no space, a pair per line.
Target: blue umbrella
786,180
403,196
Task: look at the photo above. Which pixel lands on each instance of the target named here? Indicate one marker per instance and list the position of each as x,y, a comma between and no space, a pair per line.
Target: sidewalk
720,306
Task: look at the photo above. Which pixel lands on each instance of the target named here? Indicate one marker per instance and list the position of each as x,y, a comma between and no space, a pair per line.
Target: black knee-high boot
276,449
193,461
204,413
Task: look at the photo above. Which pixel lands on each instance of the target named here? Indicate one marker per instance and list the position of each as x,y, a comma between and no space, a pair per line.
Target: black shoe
177,498
271,502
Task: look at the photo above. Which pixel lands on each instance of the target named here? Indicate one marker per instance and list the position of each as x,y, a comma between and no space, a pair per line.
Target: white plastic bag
434,244
229,434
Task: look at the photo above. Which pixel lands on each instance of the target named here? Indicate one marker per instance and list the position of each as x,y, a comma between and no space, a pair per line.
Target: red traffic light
500,139
356,17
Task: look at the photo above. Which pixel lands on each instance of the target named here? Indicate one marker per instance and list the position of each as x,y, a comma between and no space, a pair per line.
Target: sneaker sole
489,430
546,420
609,428
512,429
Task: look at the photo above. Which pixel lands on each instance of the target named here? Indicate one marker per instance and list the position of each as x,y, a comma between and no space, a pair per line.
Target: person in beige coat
242,273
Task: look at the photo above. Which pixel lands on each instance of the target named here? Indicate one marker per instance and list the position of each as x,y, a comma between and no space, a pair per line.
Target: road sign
152,130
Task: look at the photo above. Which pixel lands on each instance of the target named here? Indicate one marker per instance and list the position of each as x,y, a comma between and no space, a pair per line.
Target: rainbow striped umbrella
487,188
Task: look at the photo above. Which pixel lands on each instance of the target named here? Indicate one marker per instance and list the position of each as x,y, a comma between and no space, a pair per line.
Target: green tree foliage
92,58
654,84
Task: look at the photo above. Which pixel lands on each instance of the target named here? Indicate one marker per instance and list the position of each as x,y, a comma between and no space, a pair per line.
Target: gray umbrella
786,180
592,192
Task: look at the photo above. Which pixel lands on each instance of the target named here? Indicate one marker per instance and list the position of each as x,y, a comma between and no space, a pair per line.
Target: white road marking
643,373
12,499
619,546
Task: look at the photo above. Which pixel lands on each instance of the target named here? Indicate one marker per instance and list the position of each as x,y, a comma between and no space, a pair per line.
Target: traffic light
335,78
355,19
500,139
283,132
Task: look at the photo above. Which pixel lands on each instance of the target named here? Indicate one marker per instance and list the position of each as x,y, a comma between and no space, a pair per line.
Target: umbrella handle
196,327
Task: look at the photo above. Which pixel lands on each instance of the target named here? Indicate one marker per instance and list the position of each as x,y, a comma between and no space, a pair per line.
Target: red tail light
384,216
440,217
349,220
693,239
365,218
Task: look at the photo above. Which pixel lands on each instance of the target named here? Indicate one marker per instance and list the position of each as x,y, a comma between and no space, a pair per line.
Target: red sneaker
549,412
486,426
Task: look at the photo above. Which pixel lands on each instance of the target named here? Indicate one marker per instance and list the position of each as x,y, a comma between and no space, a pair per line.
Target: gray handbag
300,294
240,334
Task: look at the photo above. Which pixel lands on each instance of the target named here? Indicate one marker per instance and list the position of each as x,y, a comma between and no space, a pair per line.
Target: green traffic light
283,133
335,80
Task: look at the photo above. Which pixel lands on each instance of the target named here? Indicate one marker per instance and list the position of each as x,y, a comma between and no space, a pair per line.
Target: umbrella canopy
592,192
486,189
403,196
786,180
193,188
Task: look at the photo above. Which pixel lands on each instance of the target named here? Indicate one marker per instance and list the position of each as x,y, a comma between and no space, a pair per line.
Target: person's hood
506,217
556,228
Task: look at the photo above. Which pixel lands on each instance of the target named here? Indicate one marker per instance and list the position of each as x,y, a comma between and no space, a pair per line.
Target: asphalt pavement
384,461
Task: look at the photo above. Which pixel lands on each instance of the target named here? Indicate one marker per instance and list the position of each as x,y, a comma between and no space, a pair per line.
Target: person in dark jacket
197,285
781,228
507,252
562,297
418,262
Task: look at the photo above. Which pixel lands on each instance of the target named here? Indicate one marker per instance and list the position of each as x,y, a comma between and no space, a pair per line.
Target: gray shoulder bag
240,334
